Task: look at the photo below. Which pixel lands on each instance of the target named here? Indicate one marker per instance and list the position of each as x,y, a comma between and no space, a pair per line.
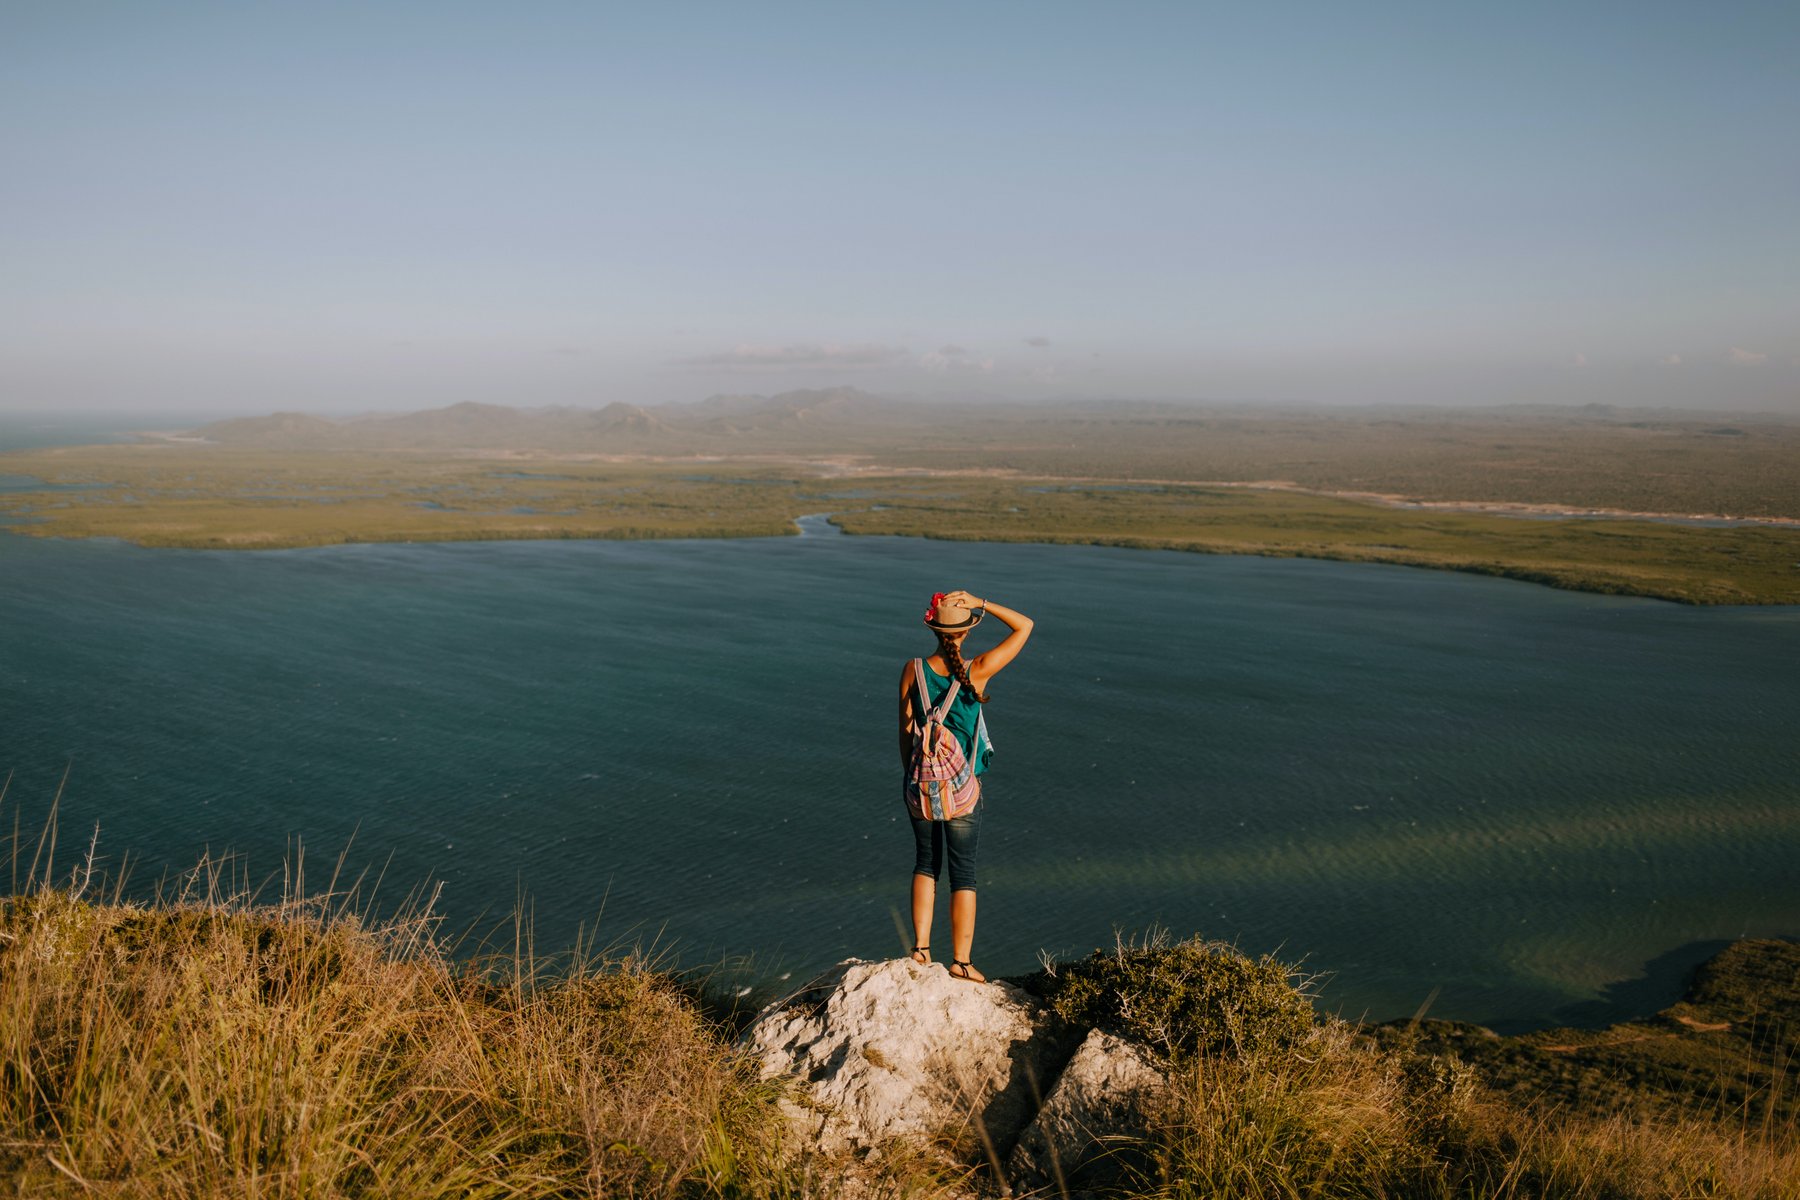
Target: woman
951,616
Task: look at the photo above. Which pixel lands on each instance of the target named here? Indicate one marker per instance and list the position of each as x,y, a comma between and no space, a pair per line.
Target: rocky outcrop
894,1050
1094,1122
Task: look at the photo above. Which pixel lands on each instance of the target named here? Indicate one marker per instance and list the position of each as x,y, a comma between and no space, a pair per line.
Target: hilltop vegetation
216,1049
213,1047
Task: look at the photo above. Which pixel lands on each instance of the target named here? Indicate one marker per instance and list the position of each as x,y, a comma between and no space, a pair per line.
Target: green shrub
1186,998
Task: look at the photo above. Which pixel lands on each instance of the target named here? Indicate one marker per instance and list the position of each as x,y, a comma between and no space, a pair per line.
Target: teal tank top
964,718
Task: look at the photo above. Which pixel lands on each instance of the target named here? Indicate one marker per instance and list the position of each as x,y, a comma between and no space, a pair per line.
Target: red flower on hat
937,598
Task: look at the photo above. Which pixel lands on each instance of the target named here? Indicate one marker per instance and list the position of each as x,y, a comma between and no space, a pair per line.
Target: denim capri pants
933,840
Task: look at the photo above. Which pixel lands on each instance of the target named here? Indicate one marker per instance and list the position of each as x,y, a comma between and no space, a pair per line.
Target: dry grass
211,1046
1343,1117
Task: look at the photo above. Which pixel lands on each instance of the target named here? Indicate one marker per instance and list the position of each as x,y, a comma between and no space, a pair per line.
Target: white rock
897,1050
1086,1129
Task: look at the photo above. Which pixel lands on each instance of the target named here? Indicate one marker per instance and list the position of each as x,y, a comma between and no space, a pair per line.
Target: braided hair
953,656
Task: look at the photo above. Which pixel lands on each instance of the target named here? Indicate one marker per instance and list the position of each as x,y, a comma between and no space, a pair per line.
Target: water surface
1416,781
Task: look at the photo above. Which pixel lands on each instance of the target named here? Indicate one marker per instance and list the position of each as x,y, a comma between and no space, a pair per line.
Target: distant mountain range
805,421
790,420
815,420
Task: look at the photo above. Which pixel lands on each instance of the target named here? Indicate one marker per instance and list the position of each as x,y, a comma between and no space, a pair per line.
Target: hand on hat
964,600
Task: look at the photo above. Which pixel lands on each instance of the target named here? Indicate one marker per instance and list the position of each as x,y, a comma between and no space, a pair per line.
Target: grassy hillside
214,1047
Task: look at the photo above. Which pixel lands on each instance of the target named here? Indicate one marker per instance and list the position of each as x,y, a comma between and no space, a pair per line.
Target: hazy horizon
215,209
124,420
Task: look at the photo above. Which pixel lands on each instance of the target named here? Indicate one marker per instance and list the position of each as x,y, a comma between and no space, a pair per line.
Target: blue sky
251,206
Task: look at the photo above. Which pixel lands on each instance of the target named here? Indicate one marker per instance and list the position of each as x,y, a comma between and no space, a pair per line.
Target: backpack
940,783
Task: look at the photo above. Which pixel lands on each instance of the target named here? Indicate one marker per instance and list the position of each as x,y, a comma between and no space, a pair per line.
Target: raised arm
984,667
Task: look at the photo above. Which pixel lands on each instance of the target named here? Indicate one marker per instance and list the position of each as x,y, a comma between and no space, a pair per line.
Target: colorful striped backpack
941,784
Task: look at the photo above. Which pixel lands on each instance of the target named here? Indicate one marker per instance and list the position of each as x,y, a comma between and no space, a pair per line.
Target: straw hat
951,618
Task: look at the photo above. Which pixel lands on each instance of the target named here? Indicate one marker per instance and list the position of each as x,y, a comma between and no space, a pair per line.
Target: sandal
926,951
968,973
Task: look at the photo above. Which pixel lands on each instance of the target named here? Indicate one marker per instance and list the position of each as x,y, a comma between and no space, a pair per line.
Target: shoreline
1394,500
1518,572
164,496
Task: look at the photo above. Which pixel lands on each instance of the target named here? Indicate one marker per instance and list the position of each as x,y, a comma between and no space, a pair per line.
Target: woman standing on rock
943,696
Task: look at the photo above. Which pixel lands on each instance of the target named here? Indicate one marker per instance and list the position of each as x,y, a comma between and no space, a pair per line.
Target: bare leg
924,899
962,931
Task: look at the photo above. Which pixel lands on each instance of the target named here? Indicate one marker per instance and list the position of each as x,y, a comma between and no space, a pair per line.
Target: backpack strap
943,708
930,715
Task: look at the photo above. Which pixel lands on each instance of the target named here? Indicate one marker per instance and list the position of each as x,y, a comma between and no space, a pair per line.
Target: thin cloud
1737,356
801,356
954,359
1041,343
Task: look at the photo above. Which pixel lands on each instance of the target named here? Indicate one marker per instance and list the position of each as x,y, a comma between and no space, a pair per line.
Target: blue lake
1420,783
